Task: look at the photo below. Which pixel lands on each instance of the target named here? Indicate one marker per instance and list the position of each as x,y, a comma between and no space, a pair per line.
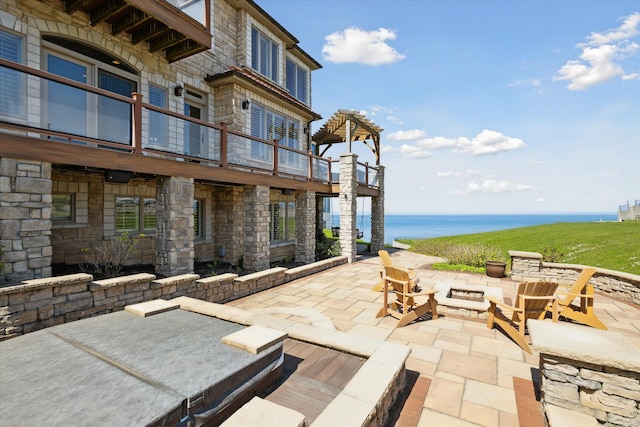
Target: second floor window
297,81
264,55
269,125
11,89
157,121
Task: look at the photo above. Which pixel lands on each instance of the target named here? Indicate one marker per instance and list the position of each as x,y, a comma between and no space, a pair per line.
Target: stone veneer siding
174,228
305,226
377,216
348,205
256,227
25,219
529,266
589,371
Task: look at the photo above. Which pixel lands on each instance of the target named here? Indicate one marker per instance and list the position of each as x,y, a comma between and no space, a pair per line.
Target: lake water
426,226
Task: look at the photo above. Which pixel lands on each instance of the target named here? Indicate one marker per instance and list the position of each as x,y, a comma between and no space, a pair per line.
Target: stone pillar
377,216
256,227
305,226
228,223
174,227
25,220
348,205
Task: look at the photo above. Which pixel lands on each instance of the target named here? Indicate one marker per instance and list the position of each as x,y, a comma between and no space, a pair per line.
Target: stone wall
25,219
589,371
348,205
40,303
256,227
610,395
529,266
305,250
377,216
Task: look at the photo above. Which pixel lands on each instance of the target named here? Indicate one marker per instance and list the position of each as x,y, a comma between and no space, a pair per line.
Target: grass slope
612,245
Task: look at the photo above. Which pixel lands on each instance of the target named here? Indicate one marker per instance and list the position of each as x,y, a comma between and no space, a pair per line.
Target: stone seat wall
40,303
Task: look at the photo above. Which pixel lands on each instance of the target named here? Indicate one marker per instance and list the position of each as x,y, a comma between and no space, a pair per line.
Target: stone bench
263,413
590,371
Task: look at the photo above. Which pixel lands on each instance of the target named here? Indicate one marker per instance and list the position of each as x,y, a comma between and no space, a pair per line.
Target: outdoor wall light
177,91
245,104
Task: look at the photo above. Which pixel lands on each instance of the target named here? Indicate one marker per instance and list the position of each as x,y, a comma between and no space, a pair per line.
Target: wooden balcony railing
158,132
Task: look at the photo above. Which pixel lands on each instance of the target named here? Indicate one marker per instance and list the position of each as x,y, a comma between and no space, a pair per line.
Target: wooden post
310,175
275,157
224,144
136,125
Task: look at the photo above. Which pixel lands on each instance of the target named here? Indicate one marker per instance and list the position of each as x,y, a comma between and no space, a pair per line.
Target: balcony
178,28
131,135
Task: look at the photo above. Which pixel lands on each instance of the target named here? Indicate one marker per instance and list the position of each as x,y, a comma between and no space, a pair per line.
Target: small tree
107,257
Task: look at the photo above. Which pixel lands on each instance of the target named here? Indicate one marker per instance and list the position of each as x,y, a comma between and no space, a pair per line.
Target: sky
487,106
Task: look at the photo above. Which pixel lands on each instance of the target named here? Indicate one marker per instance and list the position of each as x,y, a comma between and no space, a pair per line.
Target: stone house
185,122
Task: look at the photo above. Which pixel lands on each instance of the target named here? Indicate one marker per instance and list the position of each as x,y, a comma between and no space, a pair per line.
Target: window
11,81
198,218
72,110
283,222
269,125
297,81
157,121
131,212
62,207
264,55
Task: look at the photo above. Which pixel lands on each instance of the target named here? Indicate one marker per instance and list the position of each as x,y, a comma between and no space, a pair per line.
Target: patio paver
472,370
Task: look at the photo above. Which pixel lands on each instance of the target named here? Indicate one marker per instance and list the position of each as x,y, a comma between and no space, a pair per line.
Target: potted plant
495,268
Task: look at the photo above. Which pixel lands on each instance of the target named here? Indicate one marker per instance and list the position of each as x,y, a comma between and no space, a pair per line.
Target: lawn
612,245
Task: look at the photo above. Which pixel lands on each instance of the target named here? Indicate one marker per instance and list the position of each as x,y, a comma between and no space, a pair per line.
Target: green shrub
551,254
445,266
107,257
326,247
474,254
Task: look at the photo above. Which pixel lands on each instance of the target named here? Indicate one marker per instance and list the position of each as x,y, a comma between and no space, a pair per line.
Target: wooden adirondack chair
408,305
532,301
385,261
582,312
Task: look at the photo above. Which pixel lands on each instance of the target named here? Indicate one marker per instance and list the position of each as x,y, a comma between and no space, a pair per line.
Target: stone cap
584,343
149,308
255,338
263,413
523,254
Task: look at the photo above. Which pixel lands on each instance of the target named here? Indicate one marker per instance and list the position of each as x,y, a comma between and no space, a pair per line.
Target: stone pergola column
228,223
306,226
174,226
256,227
25,219
377,216
348,205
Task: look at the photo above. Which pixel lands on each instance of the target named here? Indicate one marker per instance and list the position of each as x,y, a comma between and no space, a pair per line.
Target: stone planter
495,268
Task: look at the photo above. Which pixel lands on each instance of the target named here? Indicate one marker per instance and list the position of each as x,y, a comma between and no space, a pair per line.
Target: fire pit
460,299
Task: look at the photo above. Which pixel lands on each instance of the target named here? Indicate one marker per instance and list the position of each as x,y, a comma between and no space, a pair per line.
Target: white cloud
627,30
413,152
447,174
601,56
355,45
492,186
536,84
395,120
541,200
486,142
491,142
406,135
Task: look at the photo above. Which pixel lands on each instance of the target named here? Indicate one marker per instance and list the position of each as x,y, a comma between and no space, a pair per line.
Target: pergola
348,126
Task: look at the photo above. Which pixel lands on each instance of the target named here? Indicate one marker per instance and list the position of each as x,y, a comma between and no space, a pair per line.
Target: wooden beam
106,10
